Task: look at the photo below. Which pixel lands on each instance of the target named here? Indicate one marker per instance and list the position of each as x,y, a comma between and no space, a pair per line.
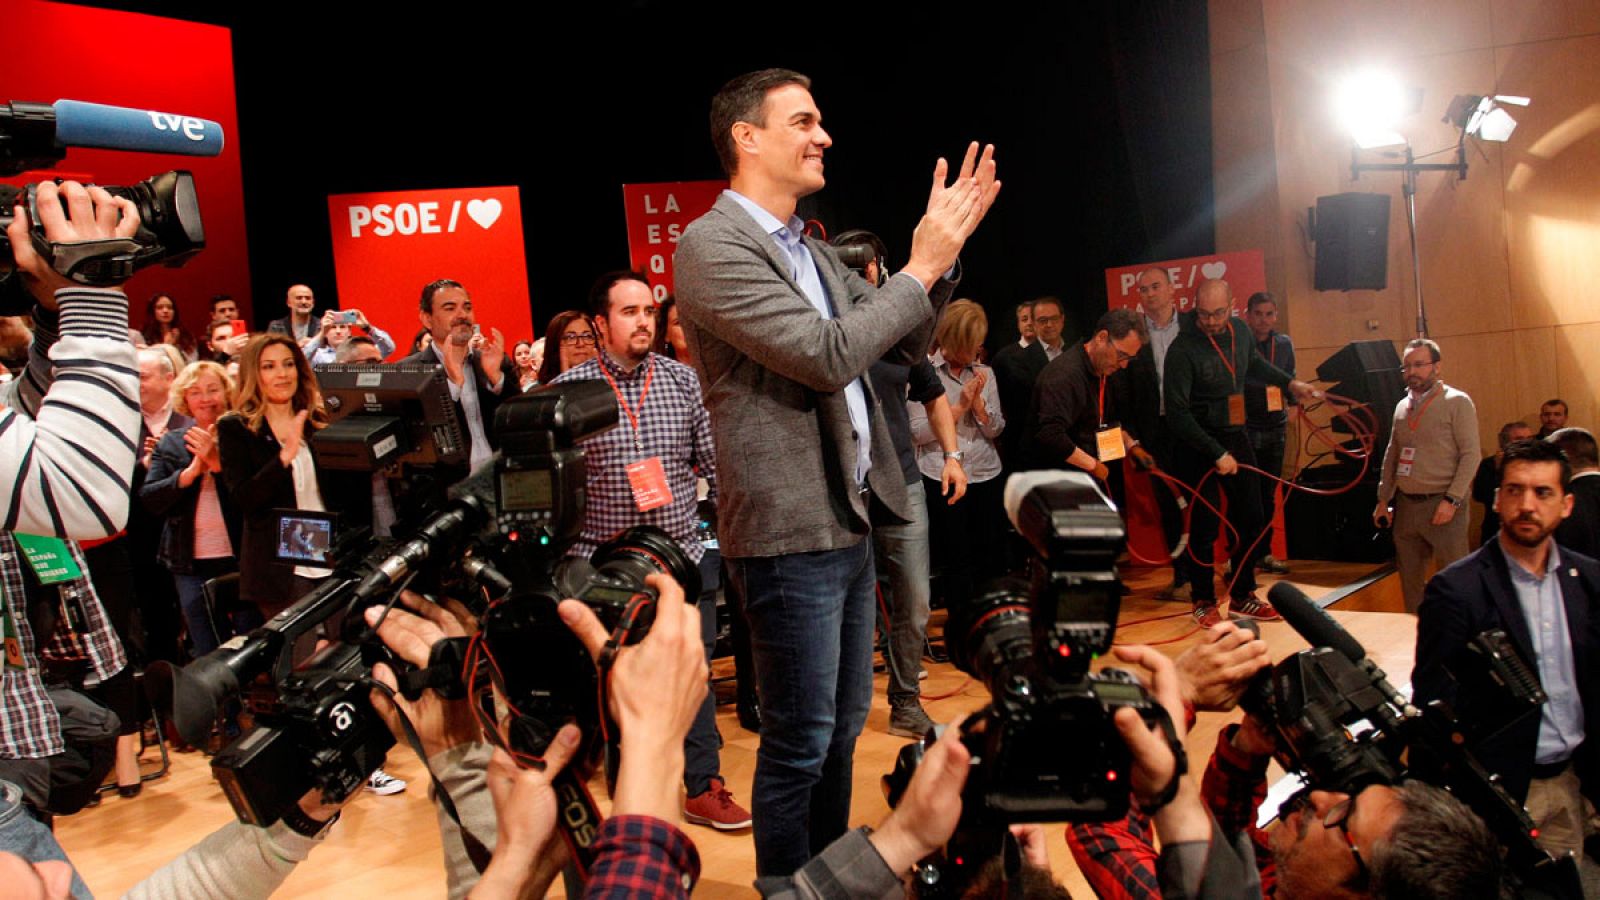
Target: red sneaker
715,808
1253,607
1207,614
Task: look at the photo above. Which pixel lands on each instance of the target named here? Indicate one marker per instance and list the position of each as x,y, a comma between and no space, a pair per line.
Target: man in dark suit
480,372
1013,379
782,334
1547,598
1581,530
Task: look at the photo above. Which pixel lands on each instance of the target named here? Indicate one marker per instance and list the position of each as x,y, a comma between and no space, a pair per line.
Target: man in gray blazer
783,334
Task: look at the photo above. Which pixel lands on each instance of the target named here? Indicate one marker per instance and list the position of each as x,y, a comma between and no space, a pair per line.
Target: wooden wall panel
1521,21
1578,373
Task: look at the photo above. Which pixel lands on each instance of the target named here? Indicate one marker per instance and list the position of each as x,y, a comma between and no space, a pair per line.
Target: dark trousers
1160,445
967,540
1268,445
811,618
1243,490
702,746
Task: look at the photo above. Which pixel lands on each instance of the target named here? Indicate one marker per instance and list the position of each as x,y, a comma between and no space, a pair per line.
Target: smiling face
207,399
300,300
450,318
785,151
277,373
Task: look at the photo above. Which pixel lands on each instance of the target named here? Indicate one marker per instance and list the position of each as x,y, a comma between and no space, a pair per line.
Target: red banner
657,214
1245,271
387,246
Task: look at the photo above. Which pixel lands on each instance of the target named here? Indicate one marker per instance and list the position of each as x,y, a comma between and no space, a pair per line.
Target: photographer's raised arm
68,431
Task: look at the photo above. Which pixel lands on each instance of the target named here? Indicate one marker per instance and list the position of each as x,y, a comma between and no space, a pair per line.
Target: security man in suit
783,334
1547,599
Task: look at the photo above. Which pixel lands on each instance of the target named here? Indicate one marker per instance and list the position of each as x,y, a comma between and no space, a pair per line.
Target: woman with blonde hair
200,530
965,537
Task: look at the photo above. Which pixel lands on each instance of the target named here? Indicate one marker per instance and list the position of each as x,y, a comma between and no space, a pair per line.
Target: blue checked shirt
674,425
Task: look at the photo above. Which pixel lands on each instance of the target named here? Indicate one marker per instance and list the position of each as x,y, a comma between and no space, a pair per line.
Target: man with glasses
1204,388
1427,471
1074,419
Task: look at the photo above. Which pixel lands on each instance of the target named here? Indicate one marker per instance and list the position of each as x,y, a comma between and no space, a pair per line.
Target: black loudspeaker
1352,238
1368,371
1337,527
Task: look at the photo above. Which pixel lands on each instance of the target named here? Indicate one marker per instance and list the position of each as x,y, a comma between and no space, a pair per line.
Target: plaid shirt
673,425
30,728
1119,858
640,856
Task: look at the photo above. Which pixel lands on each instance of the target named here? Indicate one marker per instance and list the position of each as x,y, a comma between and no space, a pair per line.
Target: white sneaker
381,782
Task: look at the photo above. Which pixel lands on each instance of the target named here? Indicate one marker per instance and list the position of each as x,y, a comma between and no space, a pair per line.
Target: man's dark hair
1534,450
600,293
1507,428
1431,346
1579,446
219,299
1118,322
1053,301
1438,848
744,100
1258,298
1555,401
434,287
1024,305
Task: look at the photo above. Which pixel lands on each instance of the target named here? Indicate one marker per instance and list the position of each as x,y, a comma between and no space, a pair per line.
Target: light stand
1409,170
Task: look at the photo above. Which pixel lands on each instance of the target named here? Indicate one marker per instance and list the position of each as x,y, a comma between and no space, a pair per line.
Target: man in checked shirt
642,472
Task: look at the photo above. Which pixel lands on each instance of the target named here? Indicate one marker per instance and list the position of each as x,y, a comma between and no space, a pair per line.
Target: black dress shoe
129,791
750,715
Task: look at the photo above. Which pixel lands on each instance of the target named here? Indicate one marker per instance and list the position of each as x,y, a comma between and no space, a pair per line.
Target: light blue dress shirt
1561,719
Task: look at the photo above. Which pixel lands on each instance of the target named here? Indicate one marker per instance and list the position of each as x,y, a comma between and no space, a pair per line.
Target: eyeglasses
578,338
1417,366
1046,320
1337,816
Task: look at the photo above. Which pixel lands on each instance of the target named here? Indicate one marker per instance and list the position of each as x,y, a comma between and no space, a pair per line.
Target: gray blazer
774,373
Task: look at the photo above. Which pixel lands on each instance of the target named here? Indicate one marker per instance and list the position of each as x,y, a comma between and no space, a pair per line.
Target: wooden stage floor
389,846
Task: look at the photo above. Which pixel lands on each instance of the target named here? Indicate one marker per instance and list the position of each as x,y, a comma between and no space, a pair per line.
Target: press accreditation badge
1274,398
1235,409
1109,443
1408,458
649,482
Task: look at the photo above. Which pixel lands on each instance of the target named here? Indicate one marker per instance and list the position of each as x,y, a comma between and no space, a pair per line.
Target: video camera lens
991,635
620,568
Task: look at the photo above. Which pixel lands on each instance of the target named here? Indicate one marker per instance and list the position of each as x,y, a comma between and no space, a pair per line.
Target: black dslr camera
1045,748
1343,727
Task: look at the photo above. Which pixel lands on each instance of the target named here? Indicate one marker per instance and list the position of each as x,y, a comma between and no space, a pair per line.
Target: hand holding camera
69,214
440,724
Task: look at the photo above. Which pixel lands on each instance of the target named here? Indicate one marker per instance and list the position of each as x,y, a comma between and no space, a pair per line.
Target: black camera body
316,730
1045,749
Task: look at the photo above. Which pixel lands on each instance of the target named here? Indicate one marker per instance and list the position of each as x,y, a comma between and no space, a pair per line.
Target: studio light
1484,118
1370,103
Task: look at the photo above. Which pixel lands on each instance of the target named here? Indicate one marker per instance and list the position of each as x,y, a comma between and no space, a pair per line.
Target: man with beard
1427,471
642,472
1552,416
1547,600
477,366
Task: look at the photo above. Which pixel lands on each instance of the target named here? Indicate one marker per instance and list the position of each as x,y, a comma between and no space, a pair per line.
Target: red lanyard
1227,360
622,402
1413,421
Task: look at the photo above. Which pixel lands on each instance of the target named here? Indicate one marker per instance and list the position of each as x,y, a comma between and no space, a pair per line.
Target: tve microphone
1313,623
80,124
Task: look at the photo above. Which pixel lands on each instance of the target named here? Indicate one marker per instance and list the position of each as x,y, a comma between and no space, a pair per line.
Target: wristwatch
1453,501
956,455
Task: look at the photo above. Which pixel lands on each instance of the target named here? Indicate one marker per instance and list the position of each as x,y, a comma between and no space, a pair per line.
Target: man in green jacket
1204,385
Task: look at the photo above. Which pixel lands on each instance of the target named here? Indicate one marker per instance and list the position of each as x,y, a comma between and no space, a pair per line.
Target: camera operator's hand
1214,673
931,807
95,215
654,691
1035,845
1254,738
528,853
440,724
1184,818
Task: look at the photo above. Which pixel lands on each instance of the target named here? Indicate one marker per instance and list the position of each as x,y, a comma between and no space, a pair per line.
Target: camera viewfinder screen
305,539
524,490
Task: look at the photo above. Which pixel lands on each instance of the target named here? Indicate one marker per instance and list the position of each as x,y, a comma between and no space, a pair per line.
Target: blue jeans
702,760
902,552
811,618
28,838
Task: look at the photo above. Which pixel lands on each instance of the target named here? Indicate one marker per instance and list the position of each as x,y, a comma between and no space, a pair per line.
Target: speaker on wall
1352,235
